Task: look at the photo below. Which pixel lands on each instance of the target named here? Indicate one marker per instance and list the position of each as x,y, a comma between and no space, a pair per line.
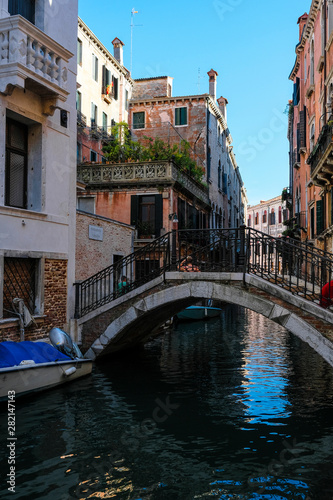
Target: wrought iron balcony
136,174
32,60
321,158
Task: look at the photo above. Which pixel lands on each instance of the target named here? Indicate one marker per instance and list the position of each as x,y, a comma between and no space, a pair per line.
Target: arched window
249,221
272,217
312,136
256,220
312,63
280,215
264,217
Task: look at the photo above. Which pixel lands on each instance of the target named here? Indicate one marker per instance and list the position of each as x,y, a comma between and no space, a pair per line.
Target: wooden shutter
134,209
158,214
320,216
115,87
302,121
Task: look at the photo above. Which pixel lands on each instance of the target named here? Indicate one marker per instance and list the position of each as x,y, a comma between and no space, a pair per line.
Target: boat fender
70,371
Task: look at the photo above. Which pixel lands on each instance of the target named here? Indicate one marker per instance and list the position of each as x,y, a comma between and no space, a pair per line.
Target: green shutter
134,209
177,116
158,214
183,115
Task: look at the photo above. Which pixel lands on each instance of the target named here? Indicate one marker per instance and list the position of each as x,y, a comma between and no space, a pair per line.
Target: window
93,155
86,204
249,221
94,112
79,152
79,52
19,281
26,8
305,68
78,101
312,136
180,116
95,68
147,214
224,183
16,164
105,122
272,217
106,82
312,63
256,219
219,174
280,215
139,120
264,217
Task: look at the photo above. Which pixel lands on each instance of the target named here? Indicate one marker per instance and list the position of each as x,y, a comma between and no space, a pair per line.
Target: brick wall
92,255
55,305
149,88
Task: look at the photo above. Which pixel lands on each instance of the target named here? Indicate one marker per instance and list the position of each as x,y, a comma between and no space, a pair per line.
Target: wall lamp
173,217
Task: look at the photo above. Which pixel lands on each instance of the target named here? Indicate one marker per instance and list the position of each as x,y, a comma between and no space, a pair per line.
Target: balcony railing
320,151
141,173
32,60
81,119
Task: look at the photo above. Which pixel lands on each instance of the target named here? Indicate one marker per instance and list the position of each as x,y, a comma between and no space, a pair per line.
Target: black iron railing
324,141
297,267
127,274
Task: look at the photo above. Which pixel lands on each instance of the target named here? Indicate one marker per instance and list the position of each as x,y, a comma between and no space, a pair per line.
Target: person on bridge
122,285
187,266
327,295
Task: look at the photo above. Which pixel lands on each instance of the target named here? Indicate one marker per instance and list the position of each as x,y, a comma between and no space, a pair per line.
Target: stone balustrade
31,59
157,173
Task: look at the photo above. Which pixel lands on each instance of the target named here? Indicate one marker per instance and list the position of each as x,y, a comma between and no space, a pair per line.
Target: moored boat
27,366
195,313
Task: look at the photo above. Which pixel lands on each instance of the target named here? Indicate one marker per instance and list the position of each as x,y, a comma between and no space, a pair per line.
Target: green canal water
233,408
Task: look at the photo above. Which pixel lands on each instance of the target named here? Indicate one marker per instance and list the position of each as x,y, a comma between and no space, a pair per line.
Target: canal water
232,408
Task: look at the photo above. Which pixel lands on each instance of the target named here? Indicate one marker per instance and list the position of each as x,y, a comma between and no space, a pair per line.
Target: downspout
325,101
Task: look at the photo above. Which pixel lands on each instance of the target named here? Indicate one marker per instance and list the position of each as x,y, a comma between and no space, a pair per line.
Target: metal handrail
295,266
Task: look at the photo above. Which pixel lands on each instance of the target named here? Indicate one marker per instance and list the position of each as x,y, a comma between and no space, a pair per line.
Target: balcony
135,175
32,60
81,120
107,93
321,158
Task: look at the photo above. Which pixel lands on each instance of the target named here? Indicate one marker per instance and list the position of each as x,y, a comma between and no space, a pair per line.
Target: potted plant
144,229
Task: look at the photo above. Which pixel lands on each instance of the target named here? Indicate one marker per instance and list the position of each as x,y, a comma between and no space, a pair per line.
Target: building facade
103,93
201,120
310,195
37,164
267,217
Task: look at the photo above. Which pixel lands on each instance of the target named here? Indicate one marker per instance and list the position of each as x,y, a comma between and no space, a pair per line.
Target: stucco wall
93,255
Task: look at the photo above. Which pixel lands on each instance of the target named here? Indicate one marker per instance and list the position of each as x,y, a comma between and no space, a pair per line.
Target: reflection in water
230,408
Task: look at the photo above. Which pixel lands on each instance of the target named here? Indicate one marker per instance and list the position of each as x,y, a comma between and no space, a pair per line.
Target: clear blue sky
250,43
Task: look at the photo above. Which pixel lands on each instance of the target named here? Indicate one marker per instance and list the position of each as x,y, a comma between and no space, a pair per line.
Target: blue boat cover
12,353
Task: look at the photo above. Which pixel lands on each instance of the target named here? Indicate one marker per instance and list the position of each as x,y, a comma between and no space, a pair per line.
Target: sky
251,45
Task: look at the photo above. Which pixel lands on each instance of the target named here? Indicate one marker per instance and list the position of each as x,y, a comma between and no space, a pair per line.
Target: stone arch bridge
280,280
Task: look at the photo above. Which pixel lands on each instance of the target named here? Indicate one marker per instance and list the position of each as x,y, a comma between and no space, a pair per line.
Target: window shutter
177,116
134,209
298,139
302,120
320,216
158,214
183,116
104,79
115,87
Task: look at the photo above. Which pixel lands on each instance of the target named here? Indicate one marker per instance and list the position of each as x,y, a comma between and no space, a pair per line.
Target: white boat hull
37,377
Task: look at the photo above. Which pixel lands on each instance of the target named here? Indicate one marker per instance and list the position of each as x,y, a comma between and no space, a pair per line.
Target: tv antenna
199,76
132,26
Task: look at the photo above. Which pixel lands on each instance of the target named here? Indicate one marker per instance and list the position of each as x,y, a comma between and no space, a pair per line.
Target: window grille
20,276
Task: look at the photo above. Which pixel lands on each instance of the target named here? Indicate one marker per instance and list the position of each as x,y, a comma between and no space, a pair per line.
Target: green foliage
123,149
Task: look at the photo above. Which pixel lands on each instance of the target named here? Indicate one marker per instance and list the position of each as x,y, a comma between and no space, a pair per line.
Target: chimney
212,83
222,102
302,22
118,50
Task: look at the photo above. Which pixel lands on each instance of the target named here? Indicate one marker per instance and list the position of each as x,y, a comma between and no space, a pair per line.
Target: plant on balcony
144,228
285,194
123,149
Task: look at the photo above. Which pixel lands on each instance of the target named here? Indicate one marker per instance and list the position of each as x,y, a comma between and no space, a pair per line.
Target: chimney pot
212,83
118,50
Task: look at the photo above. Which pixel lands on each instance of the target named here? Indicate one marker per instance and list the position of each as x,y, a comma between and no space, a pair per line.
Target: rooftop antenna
199,76
132,26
